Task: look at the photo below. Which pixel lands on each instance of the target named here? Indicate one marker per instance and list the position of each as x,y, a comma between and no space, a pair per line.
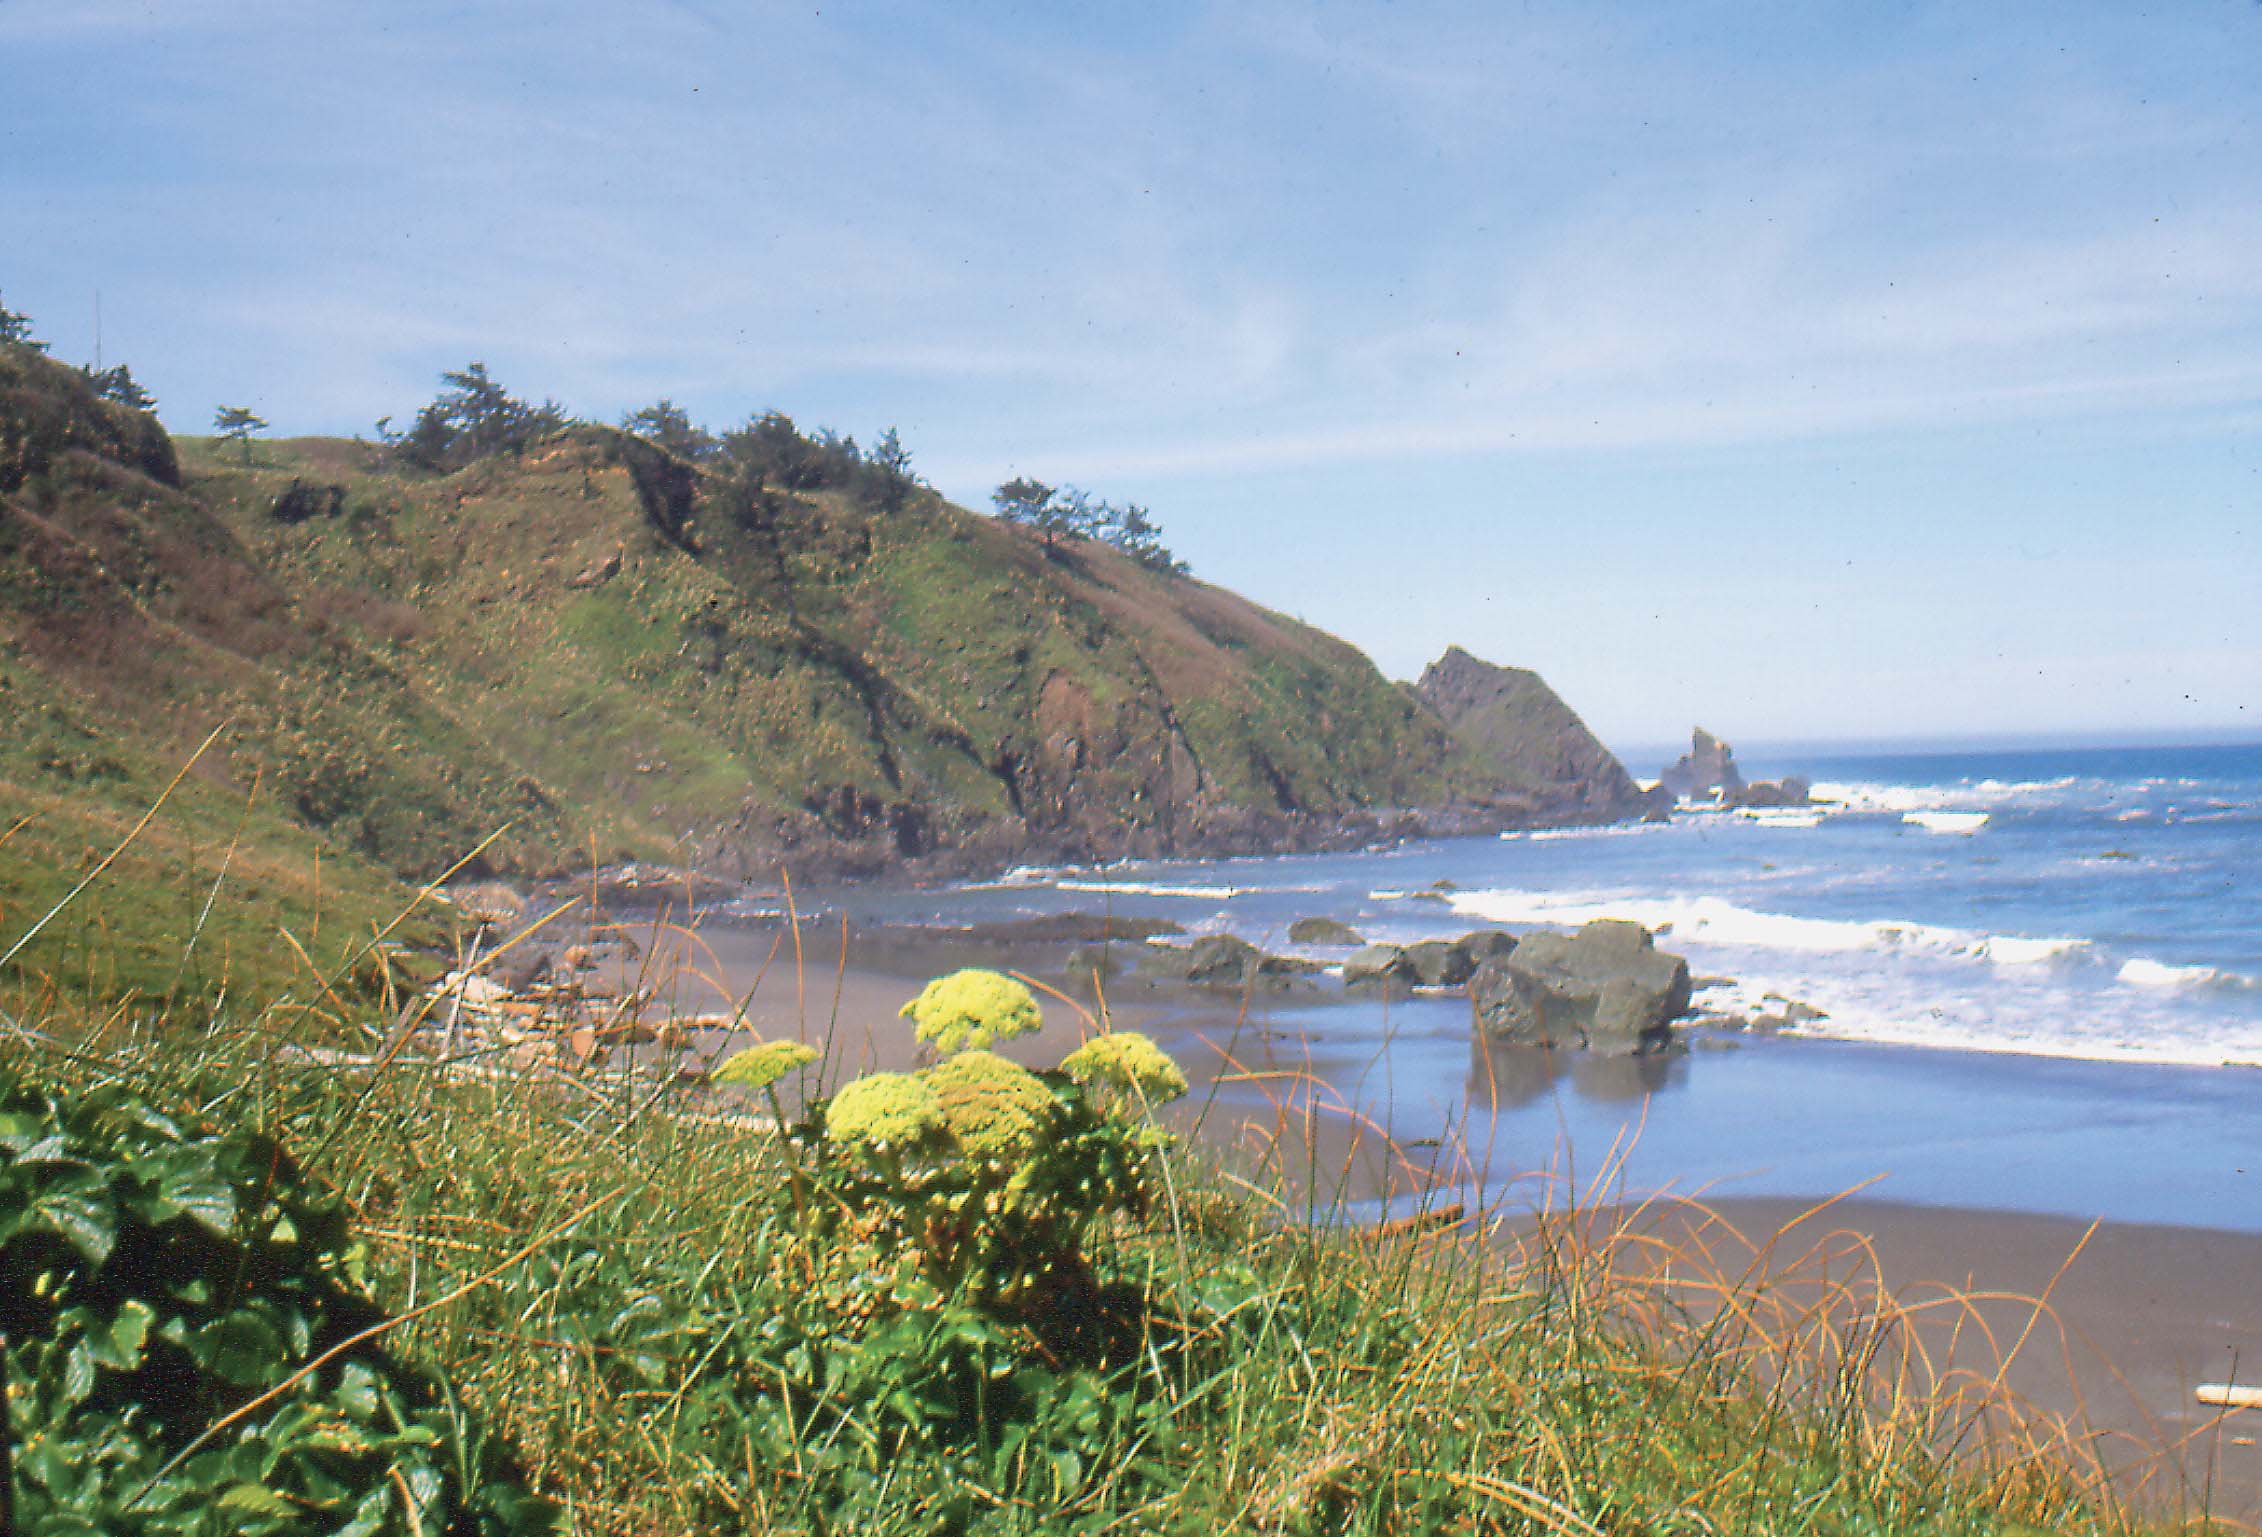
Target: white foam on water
1020,877
2143,971
1784,816
1716,921
1554,834
1899,800
2015,950
1965,822
1710,920
1155,889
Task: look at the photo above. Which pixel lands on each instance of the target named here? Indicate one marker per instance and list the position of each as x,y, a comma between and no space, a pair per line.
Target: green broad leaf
203,1197
357,1391
256,1500
425,1489
76,1206
48,1149
369,1516
240,1346
118,1344
78,1373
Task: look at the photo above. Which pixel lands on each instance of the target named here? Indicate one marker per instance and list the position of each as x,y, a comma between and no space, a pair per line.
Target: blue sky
1812,371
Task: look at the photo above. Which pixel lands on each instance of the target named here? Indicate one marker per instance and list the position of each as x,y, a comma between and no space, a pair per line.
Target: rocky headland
589,650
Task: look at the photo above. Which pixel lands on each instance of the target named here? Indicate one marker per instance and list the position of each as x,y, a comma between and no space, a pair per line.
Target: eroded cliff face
1510,724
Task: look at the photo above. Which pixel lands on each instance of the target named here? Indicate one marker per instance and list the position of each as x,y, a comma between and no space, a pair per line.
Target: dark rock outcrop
1606,989
1706,770
1380,969
1486,944
1440,962
1790,790
1223,960
1511,722
1322,931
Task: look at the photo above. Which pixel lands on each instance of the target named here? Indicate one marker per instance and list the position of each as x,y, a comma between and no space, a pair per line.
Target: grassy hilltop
620,653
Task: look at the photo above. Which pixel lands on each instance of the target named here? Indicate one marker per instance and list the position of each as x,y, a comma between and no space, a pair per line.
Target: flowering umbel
1129,1065
888,1112
998,1110
972,1009
764,1063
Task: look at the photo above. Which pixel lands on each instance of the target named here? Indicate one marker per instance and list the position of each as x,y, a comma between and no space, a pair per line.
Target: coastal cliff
621,657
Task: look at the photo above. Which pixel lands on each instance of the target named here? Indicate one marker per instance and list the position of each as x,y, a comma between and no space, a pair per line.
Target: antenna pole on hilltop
98,330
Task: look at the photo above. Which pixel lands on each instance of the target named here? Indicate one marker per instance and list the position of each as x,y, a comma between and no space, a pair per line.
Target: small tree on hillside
239,425
474,417
669,426
1048,513
119,384
770,451
889,464
1133,531
16,328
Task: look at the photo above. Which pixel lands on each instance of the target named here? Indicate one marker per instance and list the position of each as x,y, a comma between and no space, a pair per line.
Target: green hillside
617,654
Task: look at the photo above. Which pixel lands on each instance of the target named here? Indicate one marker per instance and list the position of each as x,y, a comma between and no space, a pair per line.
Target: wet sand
2135,1318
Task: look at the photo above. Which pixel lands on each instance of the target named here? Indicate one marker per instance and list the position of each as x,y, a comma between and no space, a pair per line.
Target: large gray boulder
1223,960
1440,962
1486,944
1379,969
1322,931
1606,989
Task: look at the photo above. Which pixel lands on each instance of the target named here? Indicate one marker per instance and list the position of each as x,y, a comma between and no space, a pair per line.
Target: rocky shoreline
1603,991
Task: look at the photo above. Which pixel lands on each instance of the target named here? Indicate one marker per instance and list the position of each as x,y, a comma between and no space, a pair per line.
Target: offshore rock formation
1509,724
1706,770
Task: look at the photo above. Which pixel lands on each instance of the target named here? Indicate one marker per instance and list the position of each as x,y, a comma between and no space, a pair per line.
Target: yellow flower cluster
972,1009
764,1063
892,1111
998,1110
1128,1064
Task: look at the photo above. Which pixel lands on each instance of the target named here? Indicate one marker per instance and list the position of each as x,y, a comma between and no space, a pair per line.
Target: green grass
658,1328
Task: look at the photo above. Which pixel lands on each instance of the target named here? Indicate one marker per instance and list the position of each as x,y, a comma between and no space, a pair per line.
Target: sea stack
1523,731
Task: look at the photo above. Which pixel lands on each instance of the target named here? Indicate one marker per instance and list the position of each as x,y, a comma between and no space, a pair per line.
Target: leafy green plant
190,1350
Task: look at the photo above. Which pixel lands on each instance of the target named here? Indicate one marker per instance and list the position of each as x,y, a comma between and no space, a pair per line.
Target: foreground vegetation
979,1300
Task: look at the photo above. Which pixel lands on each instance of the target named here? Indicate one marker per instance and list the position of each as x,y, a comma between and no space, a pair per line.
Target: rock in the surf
1606,988
1322,931
1440,962
1223,960
1380,969
1706,770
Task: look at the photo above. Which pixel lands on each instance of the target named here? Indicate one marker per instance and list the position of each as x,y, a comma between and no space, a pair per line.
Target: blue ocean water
2088,903
2070,940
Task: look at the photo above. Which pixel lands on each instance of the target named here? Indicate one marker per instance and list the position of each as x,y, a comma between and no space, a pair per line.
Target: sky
1821,371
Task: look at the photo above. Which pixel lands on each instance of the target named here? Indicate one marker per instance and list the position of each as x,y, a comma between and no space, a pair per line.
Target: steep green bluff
584,641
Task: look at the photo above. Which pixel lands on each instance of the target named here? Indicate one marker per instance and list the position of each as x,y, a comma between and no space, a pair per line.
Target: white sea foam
2146,972
1899,800
1716,921
1781,816
1156,889
2014,950
1553,834
1965,822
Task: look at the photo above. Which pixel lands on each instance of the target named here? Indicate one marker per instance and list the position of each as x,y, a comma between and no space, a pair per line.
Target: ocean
2039,976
